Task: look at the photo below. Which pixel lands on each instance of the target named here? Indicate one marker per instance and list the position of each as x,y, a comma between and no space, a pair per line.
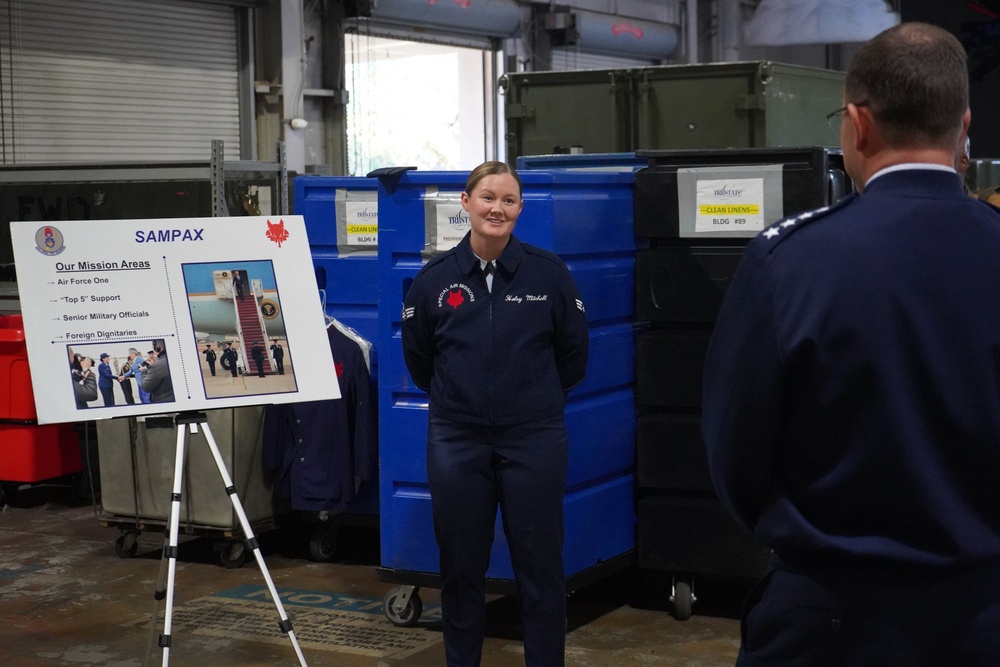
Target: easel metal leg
170,549
186,425
285,625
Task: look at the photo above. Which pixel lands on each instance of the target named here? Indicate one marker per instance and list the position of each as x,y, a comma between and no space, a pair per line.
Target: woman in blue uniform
494,330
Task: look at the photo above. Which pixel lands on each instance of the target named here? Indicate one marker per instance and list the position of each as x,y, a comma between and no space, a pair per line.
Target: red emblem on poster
277,233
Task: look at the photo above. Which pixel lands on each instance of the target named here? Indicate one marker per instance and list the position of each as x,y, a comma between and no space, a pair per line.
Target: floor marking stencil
322,621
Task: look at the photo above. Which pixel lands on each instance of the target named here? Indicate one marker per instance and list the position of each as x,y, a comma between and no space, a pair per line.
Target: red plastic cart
29,452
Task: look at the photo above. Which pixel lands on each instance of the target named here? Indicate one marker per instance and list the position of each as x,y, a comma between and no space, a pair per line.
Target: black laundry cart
698,210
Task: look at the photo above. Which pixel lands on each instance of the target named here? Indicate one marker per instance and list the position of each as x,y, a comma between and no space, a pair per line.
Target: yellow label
362,229
729,209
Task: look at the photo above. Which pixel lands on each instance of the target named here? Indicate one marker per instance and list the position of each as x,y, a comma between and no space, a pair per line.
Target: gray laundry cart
137,457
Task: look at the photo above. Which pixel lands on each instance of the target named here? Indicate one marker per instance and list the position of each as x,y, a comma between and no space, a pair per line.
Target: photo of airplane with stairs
236,306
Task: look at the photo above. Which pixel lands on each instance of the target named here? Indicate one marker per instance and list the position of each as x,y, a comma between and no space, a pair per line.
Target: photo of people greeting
120,373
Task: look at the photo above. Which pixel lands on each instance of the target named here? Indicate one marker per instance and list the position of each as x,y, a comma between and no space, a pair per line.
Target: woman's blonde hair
489,169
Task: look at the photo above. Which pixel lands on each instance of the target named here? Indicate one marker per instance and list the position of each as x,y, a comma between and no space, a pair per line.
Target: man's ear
862,123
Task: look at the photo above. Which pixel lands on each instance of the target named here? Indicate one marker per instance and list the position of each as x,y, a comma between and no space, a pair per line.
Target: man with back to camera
257,354
84,381
156,380
852,389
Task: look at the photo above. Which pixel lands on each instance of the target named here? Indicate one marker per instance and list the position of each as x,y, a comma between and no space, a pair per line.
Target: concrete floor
66,598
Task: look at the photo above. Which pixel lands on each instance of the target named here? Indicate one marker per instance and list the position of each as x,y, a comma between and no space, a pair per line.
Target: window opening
417,104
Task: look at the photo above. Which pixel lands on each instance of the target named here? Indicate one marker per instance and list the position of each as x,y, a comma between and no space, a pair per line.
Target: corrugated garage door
111,80
575,59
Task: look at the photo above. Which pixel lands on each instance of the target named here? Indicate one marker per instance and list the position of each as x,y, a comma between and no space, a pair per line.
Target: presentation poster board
170,315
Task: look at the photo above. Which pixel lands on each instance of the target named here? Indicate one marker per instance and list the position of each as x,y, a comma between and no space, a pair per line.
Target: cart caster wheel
682,599
127,545
323,543
233,556
409,615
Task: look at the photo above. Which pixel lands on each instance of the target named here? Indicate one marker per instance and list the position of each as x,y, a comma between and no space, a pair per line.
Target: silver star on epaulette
771,233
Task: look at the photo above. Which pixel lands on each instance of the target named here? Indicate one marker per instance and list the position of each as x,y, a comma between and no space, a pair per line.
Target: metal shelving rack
122,190
216,170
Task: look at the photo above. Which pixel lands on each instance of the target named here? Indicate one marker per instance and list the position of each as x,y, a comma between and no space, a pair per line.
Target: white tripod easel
187,423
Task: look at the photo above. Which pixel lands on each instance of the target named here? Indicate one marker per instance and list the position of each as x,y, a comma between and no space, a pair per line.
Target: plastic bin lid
11,329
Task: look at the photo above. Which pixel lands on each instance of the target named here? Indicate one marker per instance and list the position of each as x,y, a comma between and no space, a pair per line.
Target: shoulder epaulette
541,252
784,228
437,259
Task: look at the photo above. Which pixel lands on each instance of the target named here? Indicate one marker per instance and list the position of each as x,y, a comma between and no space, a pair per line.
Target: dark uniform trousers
898,616
127,391
472,469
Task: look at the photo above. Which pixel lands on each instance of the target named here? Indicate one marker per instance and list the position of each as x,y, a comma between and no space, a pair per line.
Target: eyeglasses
834,117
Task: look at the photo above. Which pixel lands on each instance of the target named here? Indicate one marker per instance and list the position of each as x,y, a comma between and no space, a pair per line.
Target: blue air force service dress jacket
506,357
321,451
852,386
